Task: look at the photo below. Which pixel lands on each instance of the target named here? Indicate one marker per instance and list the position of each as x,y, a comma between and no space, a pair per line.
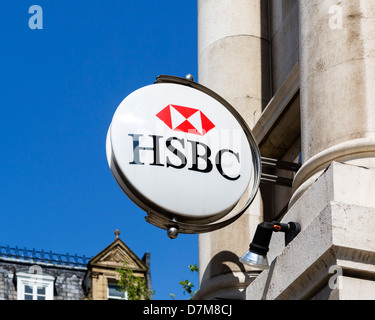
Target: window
35,293
115,294
34,286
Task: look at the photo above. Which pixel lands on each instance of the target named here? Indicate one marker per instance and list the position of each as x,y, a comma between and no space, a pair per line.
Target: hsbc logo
175,149
185,119
178,150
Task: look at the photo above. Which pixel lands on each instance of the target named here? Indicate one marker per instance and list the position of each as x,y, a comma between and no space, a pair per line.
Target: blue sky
60,87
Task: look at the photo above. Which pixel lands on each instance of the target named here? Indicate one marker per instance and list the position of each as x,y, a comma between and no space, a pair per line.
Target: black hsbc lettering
200,154
176,152
137,148
219,166
205,156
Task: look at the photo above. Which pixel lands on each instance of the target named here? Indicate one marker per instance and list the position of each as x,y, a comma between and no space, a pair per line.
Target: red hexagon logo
185,119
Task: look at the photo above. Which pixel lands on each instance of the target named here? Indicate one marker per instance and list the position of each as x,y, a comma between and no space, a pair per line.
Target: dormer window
34,286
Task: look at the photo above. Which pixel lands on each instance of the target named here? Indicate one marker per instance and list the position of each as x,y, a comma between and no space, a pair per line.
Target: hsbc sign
182,154
191,121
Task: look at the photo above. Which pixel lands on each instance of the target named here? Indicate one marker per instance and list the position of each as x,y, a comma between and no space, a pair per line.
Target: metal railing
44,256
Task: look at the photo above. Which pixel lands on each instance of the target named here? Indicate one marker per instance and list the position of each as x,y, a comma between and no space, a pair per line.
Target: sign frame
163,219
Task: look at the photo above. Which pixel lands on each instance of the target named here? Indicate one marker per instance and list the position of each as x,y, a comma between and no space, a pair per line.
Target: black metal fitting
263,234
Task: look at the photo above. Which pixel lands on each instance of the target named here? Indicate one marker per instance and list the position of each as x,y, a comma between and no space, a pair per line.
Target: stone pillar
233,60
337,59
333,257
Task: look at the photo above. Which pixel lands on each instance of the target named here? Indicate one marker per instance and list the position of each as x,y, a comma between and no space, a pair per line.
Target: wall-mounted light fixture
257,254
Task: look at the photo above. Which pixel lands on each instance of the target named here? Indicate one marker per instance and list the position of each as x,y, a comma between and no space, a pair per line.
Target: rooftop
42,256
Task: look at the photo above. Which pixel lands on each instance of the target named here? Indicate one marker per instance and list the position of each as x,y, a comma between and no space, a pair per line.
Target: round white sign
176,150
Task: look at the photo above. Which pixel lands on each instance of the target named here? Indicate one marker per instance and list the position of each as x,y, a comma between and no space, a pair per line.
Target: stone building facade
40,275
302,74
33,275
101,279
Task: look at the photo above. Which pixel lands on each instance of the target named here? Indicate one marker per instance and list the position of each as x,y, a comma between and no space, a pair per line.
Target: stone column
337,59
233,60
332,199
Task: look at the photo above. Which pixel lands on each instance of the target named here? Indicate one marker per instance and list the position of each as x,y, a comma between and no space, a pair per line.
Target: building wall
7,287
102,269
67,286
319,110
248,53
233,61
70,277
284,29
280,138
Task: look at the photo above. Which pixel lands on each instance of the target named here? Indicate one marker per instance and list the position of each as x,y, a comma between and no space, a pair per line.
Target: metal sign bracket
280,165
